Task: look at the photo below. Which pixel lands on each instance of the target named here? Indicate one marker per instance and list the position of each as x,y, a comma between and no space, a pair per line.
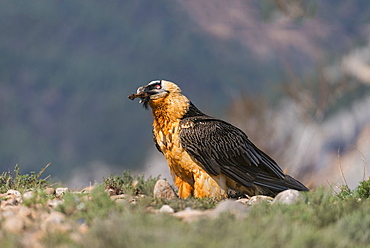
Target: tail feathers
277,185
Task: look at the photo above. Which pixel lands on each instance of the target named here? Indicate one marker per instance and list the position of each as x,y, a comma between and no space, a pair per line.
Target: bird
206,156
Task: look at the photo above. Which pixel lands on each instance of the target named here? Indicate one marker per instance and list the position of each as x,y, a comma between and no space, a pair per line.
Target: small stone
234,207
10,202
50,191
166,209
289,196
13,192
54,203
28,195
163,189
190,215
14,224
61,191
259,199
116,197
121,201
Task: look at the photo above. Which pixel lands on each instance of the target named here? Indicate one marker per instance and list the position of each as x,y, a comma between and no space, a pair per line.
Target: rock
163,189
121,196
259,199
166,209
289,196
191,215
50,191
54,203
13,192
14,224
121,201
10,202
28,195
61,191
234,207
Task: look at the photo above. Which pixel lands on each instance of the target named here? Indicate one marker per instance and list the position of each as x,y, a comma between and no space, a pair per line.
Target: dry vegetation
92,218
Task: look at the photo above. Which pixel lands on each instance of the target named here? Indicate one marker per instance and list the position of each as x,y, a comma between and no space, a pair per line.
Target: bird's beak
142,93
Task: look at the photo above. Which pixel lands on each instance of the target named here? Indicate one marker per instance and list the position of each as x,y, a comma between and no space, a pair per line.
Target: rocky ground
135,211
32,215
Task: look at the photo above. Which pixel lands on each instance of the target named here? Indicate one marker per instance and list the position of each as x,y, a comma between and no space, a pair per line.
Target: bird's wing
220,147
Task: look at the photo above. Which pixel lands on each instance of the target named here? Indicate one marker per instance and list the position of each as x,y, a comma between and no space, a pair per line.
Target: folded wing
219,147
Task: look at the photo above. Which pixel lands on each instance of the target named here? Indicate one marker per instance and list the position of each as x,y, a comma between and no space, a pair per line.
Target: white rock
61,191
259,199
289,196
166,209
13,192
237,208
54,203
28,195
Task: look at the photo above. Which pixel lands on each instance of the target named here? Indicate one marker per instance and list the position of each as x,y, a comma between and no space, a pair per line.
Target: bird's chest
168,140
167,137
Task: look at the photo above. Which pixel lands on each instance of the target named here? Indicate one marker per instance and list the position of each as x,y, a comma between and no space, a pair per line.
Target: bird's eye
157,86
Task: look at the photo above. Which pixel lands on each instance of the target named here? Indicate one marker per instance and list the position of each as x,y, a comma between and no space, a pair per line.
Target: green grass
15,180
320,218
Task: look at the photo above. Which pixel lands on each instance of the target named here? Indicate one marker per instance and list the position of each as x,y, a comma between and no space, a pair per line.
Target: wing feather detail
220,147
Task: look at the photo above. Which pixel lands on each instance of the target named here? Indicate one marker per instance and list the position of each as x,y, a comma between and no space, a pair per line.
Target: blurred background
293,74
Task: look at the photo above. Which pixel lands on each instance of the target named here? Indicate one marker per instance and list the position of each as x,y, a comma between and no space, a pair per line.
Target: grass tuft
17,181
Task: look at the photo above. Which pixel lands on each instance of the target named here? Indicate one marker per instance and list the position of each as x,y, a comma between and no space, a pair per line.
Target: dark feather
220,147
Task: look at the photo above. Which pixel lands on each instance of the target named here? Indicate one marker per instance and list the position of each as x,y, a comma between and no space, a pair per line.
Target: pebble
28,195
234,207
163,189
166,209
259,199
13,192
54,203
10,202
50,191
289,196
61,191
121,196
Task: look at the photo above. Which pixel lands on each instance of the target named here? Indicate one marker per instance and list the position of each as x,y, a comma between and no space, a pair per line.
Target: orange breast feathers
188,176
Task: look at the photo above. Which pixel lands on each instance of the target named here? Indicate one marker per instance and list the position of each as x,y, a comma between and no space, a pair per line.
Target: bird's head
154,91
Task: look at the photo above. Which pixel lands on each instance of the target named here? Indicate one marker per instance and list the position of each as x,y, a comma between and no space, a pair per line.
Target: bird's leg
185,189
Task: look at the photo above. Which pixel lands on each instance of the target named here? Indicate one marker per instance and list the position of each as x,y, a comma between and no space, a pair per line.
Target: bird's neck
169,109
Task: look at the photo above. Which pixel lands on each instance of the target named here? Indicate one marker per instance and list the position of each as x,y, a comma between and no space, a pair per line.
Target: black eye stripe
155,84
